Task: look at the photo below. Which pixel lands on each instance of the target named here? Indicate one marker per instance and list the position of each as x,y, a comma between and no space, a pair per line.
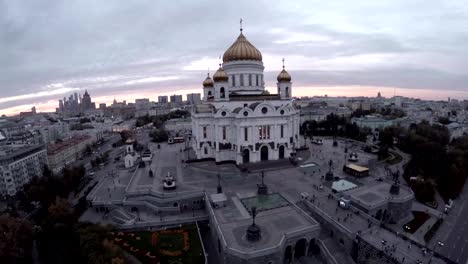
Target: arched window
242,80
209,93
287,92
222,93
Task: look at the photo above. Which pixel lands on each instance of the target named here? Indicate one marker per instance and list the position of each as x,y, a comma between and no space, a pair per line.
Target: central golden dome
242,49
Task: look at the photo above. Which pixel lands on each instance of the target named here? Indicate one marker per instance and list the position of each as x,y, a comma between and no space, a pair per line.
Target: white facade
238,120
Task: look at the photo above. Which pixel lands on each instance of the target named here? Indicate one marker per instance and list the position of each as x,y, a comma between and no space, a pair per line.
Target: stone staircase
122,216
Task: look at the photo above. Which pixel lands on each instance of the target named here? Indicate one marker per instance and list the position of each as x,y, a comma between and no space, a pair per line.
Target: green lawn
165,241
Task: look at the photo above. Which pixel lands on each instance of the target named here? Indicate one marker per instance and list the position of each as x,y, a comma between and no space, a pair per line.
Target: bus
176,140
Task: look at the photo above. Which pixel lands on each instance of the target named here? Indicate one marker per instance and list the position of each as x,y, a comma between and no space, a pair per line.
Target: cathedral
239,121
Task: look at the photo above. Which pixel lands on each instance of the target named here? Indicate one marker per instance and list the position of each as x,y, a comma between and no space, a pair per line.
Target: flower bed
163,246
419,219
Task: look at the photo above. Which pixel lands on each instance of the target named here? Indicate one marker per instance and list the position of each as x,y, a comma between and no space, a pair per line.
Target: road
454,230
102,172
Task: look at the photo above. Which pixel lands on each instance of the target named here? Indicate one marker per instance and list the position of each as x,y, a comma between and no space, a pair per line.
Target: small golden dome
208,82
220,75
283,76
242,49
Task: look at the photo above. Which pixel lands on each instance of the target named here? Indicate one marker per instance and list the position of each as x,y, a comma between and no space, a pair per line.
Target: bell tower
284,84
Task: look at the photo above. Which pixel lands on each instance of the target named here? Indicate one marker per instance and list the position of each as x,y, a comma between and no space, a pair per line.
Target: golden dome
283,76
242,49
208,82
220,75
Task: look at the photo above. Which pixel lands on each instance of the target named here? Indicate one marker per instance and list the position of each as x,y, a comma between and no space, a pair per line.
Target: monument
219,189
262,188
329,174
395,188
253,232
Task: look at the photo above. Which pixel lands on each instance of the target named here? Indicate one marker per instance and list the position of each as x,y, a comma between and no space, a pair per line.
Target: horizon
332,92
153,49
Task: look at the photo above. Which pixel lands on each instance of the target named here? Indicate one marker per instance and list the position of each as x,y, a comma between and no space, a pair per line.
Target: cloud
116,47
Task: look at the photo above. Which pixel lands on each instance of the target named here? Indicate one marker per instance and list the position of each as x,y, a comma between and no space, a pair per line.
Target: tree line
53,229
436,164
158,121
333,125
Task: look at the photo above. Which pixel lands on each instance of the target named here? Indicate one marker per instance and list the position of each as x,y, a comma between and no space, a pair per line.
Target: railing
203,245
327,252
326,216
163,222
161,196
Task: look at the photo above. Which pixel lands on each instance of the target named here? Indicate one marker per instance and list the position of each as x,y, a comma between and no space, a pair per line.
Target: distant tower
61,105
86,101
129,145
284,84
379,95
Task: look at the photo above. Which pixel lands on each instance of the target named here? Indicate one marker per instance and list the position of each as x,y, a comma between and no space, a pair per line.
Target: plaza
297,196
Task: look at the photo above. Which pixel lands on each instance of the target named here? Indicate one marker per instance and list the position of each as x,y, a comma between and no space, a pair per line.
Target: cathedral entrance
245,156
264,153
281,152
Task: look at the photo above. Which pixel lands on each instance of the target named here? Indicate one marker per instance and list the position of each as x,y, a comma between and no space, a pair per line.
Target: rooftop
278,220
374,194
357,168
17,152
61,146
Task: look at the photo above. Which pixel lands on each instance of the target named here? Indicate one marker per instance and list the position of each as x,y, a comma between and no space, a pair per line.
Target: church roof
237,110
252,106
242,49
220,75
208,82
283,76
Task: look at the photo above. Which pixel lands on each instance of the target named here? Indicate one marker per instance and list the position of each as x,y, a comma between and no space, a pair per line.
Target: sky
145,48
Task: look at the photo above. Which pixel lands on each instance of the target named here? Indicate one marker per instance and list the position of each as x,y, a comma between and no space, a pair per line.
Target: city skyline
333,49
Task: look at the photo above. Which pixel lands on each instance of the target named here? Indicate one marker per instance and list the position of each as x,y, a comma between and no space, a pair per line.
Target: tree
159,135
15,240
61,212
88,150
444,120
126,134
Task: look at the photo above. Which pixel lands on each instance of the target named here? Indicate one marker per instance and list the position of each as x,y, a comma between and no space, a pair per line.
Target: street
454,231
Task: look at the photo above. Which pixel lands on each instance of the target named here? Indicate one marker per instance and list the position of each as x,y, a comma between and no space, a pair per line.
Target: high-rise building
176,98
18,165
61,105
86,103
76,104
142,104
194,98
162,99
